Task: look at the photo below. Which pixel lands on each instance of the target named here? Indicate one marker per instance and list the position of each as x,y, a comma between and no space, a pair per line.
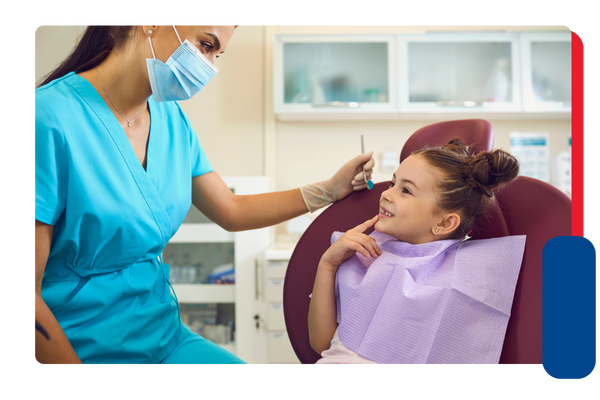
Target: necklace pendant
128,123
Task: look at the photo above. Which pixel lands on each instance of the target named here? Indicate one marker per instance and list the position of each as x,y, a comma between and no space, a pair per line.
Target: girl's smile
408,209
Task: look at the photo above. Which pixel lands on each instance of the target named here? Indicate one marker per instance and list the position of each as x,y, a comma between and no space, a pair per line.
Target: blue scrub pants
194,349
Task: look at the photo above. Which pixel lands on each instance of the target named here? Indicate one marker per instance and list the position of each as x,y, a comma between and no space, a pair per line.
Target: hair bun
488,170
461,172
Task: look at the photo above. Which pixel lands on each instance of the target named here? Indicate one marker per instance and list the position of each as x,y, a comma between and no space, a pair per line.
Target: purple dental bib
438,302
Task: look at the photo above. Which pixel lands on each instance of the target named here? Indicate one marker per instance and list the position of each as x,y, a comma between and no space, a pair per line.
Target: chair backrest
525,207
477,133
538,210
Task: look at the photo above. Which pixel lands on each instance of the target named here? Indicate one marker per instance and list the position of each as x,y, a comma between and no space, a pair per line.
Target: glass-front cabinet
215,275
459,72
335,74
504,74
546,71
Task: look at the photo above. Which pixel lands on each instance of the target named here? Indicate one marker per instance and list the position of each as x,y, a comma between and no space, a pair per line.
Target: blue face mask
185,73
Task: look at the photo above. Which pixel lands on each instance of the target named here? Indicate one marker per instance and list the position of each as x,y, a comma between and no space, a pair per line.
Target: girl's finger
365,225
367,242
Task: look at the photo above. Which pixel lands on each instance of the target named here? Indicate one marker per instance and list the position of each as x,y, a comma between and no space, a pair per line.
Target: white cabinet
280,350
546,71
334,74
201,252
417,75
459,72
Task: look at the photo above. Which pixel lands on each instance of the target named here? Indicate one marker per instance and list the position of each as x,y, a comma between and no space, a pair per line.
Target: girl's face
408,209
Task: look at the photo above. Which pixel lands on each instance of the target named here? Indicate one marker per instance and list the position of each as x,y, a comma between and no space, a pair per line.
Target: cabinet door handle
256,291
337,104
257,320
452,103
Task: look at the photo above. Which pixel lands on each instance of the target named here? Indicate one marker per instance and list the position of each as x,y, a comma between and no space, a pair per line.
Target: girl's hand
351,242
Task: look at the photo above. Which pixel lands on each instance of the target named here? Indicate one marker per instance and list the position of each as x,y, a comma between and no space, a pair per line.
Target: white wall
233,115
227,114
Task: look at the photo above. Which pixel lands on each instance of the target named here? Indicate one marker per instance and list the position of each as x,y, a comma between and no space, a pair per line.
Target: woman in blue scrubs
118,165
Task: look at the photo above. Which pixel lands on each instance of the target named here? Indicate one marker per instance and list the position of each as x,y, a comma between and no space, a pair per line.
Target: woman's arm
237,212
242,212
56,349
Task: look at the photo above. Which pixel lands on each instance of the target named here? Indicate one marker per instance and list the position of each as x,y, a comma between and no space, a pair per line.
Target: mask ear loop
177,34
150,40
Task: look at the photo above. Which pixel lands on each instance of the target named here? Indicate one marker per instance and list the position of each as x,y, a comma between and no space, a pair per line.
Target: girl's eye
405,190
392,184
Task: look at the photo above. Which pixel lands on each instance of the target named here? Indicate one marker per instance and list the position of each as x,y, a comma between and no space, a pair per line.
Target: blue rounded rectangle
569,307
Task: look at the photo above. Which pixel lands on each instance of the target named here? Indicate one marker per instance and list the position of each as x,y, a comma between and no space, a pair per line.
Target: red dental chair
527,206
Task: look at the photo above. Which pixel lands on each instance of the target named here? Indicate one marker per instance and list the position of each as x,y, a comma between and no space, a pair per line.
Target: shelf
202,233
204,293
279,254
428,115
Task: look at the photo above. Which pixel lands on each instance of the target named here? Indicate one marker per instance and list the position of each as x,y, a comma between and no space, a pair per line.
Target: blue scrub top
104,280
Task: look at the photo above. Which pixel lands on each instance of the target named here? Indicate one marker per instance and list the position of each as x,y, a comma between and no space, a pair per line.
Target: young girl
414,291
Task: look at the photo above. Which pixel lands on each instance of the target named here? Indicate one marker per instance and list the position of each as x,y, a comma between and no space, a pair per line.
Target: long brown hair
94,46
468,180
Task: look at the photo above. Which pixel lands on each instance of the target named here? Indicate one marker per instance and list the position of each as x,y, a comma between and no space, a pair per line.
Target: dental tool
362,147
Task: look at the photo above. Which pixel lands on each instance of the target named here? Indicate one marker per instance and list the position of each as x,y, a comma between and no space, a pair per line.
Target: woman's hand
351,242
345,181
350,177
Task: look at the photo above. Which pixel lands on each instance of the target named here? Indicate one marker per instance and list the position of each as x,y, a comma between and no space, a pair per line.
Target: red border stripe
579,134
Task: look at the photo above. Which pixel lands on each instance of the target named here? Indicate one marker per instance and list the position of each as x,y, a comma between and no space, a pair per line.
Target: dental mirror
362,147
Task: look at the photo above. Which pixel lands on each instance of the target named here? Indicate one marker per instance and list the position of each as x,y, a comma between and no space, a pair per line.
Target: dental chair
527,206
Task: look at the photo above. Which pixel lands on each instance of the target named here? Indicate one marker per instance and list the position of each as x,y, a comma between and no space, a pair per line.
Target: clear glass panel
326,72
551,71
454,73
200,262
215,322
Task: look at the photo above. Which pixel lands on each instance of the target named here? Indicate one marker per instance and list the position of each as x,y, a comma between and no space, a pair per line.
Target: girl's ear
448,224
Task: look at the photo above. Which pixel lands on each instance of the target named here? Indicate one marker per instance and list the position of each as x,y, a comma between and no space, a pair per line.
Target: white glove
348,179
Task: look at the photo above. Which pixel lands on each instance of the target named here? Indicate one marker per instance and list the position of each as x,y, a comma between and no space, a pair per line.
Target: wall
227,114
311,151
329,144
234,121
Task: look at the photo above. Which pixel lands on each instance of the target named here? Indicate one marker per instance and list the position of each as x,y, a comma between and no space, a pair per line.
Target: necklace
105,92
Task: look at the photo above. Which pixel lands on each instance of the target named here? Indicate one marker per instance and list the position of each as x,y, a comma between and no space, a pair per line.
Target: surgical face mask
184,74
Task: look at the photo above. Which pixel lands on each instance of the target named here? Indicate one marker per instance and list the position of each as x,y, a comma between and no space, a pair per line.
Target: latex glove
348,179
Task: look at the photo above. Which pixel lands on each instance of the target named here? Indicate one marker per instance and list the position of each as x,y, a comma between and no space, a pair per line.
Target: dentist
118,165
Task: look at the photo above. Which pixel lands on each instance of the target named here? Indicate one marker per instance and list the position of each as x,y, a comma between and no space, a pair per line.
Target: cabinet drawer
276,317
276,269
274,292
280,349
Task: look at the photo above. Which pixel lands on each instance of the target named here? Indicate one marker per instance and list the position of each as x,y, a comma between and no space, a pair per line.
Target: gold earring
437,229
